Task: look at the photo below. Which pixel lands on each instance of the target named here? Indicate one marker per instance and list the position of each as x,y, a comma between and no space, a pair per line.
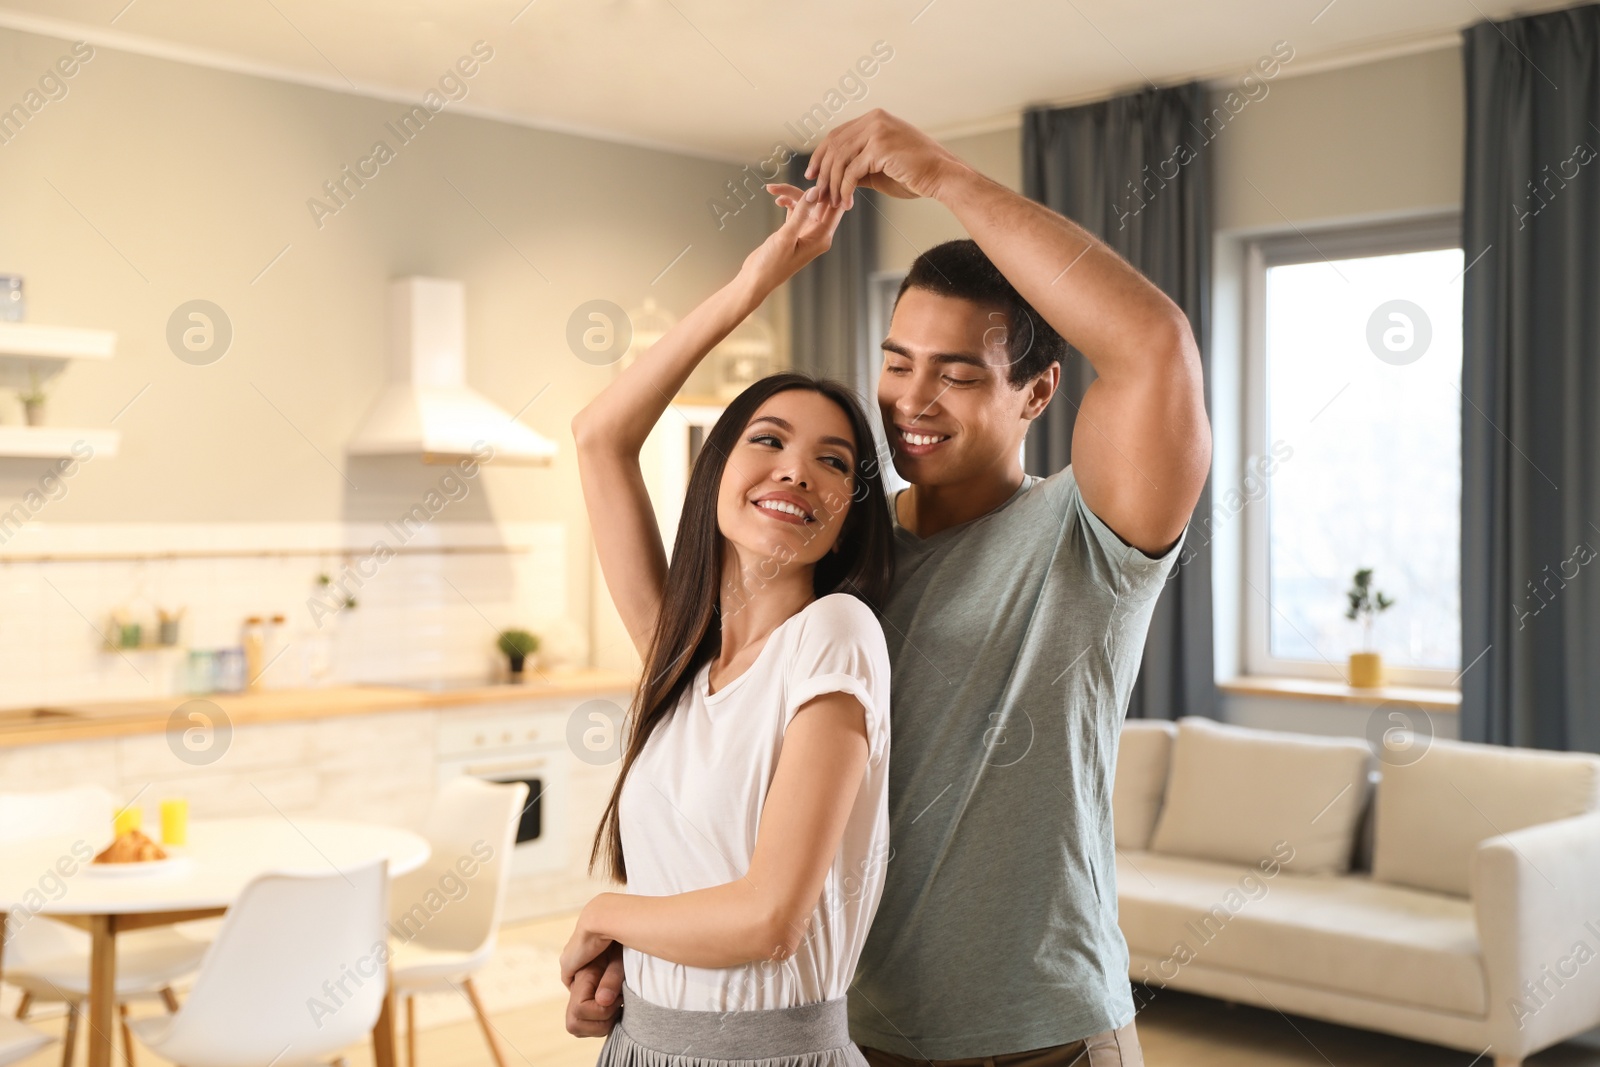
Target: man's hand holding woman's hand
881,152
875,151
594,994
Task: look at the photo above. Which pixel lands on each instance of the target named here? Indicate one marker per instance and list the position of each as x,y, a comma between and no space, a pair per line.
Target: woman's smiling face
787,485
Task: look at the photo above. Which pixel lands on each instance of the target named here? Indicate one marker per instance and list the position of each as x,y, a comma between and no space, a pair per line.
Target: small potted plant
168,626
32,400
517,645
1366,667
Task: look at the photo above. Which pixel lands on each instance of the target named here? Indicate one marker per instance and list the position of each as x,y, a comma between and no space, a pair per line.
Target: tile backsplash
431,609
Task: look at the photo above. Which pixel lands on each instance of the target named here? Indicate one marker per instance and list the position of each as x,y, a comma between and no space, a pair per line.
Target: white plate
128,870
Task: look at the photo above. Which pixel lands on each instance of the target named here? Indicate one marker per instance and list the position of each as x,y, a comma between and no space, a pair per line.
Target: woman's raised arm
611,430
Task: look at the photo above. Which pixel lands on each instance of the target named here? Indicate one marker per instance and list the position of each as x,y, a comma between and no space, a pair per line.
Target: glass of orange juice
175,821
129,818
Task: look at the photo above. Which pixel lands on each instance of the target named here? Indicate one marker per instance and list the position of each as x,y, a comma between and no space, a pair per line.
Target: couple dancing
797,897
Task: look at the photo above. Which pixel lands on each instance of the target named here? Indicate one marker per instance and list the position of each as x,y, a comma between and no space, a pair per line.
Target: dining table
218,859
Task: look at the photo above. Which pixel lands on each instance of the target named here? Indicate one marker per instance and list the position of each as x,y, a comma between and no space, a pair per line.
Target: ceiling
722,77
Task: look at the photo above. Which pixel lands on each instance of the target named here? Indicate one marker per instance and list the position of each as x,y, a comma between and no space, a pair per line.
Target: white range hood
427,410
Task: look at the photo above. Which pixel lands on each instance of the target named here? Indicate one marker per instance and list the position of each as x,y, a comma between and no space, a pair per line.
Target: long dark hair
688,629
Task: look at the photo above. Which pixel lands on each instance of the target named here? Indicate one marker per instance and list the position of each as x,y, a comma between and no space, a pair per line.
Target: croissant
131,846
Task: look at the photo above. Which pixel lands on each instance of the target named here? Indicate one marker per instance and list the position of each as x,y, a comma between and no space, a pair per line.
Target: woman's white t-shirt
691,808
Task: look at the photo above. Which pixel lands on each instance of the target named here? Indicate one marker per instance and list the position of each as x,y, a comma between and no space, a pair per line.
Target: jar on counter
202,677
13,305
253,641
230,670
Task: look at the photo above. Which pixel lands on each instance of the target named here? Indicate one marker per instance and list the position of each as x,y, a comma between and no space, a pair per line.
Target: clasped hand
876,151
594,984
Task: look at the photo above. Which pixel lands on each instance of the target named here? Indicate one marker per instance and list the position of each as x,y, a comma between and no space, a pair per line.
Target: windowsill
1429,698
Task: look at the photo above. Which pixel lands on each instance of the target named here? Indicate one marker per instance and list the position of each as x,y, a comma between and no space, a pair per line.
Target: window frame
1418,234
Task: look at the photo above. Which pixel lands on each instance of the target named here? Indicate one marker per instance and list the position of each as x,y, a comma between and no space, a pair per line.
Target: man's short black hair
961,269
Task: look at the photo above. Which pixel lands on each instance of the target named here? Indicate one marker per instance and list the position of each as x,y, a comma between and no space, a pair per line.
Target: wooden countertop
79,722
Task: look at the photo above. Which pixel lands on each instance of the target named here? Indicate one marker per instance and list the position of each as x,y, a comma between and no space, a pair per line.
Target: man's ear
1040,390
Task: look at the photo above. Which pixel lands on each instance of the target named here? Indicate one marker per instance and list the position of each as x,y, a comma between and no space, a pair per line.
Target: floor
1176,1030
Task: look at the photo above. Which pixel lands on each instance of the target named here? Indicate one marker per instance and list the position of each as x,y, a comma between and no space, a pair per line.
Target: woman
750,815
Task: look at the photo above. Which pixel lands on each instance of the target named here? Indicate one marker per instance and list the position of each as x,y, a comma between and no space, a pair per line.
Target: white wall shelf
24,342
29,340
54,442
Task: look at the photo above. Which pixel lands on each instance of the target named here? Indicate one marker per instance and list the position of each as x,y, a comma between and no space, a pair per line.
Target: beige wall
1362,142
153,182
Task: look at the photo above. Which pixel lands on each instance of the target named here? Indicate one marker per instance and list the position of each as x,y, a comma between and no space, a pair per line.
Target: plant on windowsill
517,645
1366,666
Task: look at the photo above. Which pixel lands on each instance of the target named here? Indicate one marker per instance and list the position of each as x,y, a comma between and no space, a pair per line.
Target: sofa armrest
1536,897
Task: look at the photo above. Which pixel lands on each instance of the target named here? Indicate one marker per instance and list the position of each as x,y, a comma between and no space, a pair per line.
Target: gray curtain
1135,172
828,310
1530,382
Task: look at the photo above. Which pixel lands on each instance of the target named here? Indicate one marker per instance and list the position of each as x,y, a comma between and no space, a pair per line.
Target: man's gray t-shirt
1014,641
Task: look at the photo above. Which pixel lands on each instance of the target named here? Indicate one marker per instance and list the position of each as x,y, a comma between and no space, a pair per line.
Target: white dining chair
18,1042
49,960
471,827
297,973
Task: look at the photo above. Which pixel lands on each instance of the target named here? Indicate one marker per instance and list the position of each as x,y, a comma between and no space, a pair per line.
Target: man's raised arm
1142,445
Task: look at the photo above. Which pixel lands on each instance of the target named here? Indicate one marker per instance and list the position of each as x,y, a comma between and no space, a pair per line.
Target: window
1353,424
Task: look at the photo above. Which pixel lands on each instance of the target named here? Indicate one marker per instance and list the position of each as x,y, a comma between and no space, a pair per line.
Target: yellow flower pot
1366,670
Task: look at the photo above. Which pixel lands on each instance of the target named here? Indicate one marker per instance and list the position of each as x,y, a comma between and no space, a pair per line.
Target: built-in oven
524,745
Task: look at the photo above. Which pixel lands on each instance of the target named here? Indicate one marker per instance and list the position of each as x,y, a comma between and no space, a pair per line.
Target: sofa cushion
1338,932
1239,795
1144,756
1432,813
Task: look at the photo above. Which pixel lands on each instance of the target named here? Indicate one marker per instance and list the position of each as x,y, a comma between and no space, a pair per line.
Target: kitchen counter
73,722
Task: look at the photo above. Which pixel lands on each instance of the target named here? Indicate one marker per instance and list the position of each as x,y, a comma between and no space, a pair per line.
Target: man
1017,620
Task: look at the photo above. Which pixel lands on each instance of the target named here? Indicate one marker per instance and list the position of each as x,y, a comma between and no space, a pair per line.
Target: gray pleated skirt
808,1035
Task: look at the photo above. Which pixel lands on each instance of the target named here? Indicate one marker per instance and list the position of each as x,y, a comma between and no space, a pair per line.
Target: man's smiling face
950,412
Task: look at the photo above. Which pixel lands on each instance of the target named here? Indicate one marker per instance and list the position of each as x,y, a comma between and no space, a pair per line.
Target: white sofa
1448,893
